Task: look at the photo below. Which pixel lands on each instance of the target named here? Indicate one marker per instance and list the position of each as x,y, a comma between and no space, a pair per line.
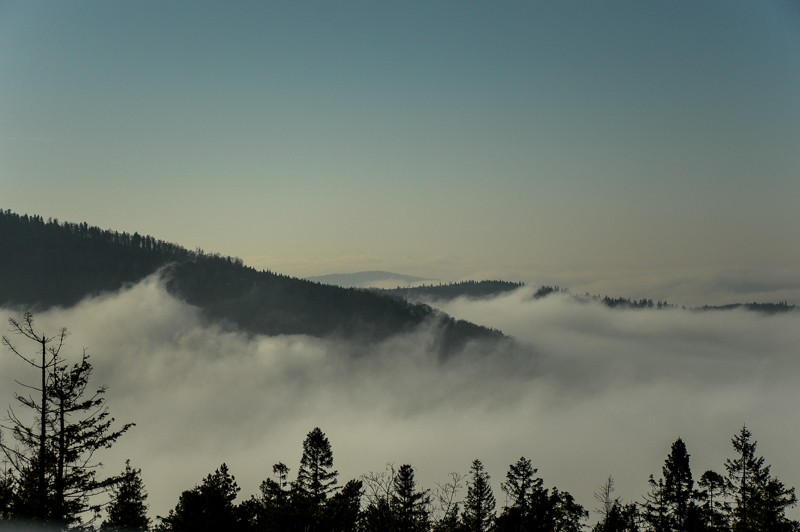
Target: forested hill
47,263
470,289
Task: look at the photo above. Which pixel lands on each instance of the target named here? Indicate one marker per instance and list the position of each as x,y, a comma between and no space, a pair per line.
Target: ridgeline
48,263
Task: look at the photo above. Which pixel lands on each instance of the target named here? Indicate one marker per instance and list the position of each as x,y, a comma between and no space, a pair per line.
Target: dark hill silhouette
47,263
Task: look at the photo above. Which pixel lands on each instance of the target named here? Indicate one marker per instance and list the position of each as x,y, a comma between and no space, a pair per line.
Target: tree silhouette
81,426
478,514
53,467
410,508
679,488
760,500
714,509
128,510
315,479
207,507
30,463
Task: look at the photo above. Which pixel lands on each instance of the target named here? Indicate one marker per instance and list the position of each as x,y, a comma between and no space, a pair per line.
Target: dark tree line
390,501
447,291
746,497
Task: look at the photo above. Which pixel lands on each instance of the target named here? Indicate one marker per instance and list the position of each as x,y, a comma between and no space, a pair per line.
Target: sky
587,393
640,149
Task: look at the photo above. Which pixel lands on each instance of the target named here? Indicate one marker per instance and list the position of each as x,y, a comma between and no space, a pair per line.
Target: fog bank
591,392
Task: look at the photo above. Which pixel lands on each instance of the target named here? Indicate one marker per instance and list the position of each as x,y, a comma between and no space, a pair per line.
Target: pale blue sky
542,141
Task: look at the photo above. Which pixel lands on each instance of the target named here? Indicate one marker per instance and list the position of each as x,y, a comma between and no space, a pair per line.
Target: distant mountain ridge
369,279
48,263
449,291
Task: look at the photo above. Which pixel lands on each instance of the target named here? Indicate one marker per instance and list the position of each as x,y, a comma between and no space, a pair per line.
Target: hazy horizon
610,147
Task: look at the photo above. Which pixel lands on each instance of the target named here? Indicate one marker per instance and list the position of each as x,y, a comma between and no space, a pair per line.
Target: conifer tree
479,506
521,484
30,463
679,487
760,500
208,507
342,510
410,508
6,492
271,509
315,478
81,426
656,508
128,509
714,510
53,466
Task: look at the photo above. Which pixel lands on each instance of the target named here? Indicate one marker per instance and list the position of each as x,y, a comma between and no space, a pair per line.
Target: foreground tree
679,492
271,509
534,507
315,477
30,463
128,509
6,493
760,500
341,512
81,426
478,514
714,509
53,466
410,508
619,518
207,507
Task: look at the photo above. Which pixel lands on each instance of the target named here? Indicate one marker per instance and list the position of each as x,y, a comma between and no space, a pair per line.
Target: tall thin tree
479,506
23,462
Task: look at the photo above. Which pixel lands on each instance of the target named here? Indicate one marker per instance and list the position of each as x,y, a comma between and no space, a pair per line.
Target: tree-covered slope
47,263
449,291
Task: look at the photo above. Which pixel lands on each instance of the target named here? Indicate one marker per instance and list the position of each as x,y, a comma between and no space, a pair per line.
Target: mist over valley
585,390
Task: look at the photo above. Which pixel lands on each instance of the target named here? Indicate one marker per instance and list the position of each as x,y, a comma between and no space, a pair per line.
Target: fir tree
128,509
679,488
760,500
315,479
410,508
53,466
208,507
478,514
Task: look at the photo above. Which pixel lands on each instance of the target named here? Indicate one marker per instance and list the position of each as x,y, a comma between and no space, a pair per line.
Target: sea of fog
588,392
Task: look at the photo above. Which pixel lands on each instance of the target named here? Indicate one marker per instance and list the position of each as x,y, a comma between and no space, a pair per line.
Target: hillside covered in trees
448,291
47,263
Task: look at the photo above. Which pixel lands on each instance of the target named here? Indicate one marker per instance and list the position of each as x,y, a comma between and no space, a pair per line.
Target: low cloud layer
591,392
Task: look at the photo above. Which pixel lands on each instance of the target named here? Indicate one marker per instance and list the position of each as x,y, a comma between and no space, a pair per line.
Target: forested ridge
47,263
447,291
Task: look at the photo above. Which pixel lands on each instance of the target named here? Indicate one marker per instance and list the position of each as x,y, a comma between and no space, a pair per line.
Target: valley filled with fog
585,392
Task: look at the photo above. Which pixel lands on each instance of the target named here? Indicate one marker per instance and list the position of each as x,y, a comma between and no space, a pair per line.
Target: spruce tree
53,465
656,507
410,508
315,478
128,509
679,487
30,464
760,500
208,507
521,484
478,514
